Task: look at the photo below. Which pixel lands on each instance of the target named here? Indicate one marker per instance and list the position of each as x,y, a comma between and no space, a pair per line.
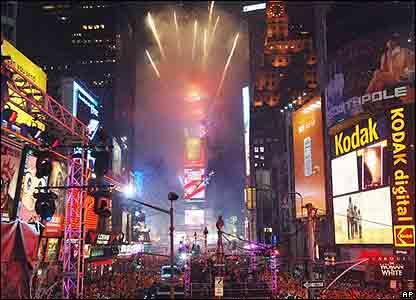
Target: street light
129,191
172,197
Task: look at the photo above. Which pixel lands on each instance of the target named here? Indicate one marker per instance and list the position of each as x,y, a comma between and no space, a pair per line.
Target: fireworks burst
155,34
194,40
196,50
211,9
212,37
224,73
153,64
204,56
177,32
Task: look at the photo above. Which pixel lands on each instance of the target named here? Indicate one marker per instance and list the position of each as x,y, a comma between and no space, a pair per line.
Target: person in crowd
359,221
350,219
355,222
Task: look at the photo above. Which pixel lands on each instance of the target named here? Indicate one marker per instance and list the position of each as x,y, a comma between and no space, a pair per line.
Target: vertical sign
219,286
402,176
309,157
246,119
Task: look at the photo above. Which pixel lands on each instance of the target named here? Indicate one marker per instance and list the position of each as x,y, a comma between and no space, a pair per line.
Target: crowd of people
360,293
126,285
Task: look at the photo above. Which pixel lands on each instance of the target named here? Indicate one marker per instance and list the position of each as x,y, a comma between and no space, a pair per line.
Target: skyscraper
8,20
283,77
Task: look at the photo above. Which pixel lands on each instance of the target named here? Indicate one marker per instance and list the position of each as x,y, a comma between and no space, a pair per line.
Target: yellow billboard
24,65
30,70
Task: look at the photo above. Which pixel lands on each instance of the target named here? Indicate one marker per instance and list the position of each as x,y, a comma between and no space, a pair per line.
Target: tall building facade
354,64
9,11
283,78
90,41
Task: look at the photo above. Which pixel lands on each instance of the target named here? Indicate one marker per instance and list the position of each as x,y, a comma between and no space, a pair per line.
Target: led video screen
363,218
194,217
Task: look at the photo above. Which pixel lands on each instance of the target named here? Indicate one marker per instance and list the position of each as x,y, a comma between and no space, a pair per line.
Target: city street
207,150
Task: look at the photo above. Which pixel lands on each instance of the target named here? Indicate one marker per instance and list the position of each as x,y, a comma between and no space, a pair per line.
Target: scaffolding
27,96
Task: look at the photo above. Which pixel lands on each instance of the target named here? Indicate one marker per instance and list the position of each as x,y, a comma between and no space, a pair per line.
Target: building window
256,156
256,164
262,157
262,149
256,149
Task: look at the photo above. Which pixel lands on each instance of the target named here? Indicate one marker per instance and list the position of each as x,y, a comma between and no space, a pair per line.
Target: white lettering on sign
103,239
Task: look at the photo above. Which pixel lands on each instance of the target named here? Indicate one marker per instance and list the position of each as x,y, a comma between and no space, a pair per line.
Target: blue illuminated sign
85,108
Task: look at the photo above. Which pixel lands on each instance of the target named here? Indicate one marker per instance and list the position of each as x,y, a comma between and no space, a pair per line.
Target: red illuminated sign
404,235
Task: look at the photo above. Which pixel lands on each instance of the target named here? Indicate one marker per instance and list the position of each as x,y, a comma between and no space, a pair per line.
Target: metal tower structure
187,277
74,232
274,271
23,93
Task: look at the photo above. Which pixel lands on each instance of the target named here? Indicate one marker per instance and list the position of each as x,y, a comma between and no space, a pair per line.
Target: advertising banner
85,108
370,158
30,70
370,74
24,65
194,216
363,218
116,163
391,267
52,250
194,185
10,163
26,210
402,174
246,119
194,152
58,177
309,157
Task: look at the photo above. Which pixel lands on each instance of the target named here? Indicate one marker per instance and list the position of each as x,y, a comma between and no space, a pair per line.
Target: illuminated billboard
362,169
402,125
363,218
10,163
194,152
116,162
369,74
34,73
253,7
194,216
369,158
309,156
194,184
26,210
246,119
344,174
24,65
59,177
85,108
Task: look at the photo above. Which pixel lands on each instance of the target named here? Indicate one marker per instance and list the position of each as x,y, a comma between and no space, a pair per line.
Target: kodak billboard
402,175
372,174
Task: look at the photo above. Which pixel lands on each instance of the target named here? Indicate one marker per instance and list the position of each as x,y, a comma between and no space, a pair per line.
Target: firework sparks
154,31
194,41
211,8
211,40
153,64
177,32
224,73
204,57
